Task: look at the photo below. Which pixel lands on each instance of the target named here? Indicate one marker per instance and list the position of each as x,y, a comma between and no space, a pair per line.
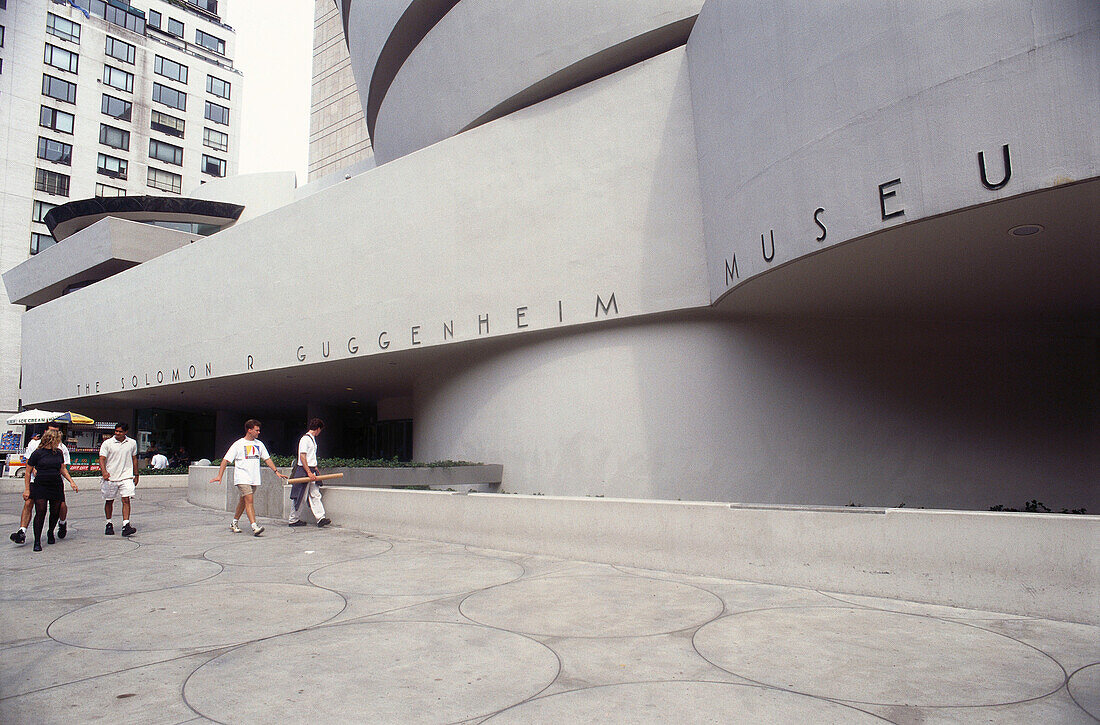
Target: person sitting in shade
159,461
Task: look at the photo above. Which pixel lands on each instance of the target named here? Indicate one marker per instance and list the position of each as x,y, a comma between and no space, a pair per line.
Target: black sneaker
37,546
19,537
62,529
49,538
299,522
110,530
128,530
324,522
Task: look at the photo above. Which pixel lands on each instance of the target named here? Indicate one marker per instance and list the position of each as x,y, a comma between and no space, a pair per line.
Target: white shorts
111,489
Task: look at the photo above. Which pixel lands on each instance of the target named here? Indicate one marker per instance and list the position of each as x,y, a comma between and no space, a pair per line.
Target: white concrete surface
104,248
1044,565
390,629
484,52
795,115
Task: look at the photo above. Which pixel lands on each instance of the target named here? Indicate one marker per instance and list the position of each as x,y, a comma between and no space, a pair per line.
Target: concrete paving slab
189,623
839,653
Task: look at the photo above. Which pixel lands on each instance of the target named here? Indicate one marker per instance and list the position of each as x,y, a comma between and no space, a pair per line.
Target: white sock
23,529
126,522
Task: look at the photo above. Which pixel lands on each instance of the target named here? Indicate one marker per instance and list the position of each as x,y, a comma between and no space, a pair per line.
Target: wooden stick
322,477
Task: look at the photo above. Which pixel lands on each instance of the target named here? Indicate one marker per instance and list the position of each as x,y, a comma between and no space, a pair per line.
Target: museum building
783,253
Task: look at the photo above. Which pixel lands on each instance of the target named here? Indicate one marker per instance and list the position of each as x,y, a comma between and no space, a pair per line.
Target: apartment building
102,99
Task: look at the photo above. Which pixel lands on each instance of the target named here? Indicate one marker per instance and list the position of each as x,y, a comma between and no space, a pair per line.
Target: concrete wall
483,236
949,415
1029,564
814,109
484,52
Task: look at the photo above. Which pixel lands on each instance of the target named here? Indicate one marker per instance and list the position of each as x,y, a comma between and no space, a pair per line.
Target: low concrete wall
176,480
1031,564
271,499
482,477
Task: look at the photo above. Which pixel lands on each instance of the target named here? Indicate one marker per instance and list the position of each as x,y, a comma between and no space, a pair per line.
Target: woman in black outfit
47,466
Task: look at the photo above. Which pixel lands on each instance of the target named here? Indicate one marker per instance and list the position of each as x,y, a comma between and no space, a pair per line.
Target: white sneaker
257,529
234,528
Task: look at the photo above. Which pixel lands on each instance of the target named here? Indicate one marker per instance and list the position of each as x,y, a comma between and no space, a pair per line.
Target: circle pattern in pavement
79,545
702,702
107,577
203,615
378,672
1084,688
417,574
842,654
592,606
295,550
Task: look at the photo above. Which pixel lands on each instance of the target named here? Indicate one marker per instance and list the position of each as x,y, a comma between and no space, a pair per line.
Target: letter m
175,375
611,304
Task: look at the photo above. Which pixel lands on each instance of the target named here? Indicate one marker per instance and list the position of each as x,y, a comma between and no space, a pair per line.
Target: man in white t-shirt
159,461
118,465
246,454
20,536
306,467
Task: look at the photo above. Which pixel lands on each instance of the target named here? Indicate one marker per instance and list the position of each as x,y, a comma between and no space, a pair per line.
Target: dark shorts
48,491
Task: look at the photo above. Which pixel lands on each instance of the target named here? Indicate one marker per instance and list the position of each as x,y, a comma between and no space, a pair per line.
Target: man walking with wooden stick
309,490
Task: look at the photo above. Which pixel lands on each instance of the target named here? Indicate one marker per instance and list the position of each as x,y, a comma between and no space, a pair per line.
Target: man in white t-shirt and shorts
20,536
118,465
246,454
306,467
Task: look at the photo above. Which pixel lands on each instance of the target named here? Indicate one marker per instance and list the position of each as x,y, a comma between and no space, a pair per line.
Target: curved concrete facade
860,117
485,58
767,266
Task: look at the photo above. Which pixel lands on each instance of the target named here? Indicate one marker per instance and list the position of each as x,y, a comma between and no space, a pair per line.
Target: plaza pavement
187,622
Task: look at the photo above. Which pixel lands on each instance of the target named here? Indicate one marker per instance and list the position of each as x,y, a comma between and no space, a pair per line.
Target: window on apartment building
118,78
41,241
62,28
165,180
60,58
51,182
215,139
154,19
114,137
41,208
106,190
170,69
1,36
116,108
210,6
165,152
170,97
55,151
175,27
56,120
59,89
166,124
111,166
213,166
120,50
217,114
210,42
217,87
118,13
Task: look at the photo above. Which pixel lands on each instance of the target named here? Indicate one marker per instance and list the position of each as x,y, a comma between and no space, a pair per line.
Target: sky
275,53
